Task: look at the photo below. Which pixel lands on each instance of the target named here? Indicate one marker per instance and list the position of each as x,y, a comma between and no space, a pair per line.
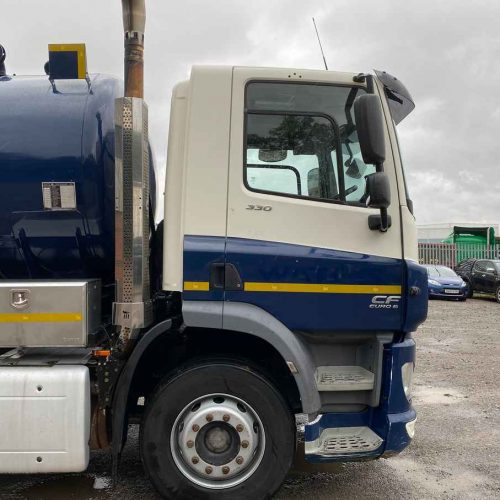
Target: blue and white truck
282,281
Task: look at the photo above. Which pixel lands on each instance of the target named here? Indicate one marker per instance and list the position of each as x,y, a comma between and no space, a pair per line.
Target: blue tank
57,138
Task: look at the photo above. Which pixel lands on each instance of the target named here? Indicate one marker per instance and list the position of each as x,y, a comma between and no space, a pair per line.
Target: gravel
455,453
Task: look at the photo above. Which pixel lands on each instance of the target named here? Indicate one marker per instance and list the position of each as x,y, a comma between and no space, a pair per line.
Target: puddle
437,395
68,487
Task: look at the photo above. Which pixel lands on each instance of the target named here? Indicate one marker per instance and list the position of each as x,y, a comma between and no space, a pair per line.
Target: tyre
217,430
469,292
497,294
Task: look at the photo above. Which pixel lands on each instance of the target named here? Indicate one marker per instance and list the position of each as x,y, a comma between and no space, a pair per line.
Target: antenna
320,46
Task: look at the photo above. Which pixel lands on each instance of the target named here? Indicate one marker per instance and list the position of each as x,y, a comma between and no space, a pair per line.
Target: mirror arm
385,219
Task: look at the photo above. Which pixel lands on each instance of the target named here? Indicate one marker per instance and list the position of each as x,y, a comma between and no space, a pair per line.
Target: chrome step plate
344,441
344,378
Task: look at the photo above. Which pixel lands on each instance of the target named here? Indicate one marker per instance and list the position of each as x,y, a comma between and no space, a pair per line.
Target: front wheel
497,294
217,430
469,292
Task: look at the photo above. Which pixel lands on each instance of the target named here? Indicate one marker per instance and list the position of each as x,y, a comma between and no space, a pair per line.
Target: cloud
446,52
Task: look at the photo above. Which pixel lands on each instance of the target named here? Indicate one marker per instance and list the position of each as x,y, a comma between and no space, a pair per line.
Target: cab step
344,441
344,378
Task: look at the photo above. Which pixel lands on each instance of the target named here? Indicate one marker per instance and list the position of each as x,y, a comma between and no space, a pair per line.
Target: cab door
297,221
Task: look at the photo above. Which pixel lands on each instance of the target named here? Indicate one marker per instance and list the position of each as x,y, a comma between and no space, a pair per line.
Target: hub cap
217,441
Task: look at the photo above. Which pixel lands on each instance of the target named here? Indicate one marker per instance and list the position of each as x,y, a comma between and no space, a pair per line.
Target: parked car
481,275
445,283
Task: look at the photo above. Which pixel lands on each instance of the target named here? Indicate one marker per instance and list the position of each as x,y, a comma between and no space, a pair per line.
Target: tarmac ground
455,453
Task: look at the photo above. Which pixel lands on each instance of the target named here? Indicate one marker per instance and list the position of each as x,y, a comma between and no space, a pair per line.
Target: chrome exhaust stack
134,22
132,309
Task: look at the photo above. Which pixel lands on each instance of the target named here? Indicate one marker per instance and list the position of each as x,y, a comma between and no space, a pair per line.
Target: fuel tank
57,178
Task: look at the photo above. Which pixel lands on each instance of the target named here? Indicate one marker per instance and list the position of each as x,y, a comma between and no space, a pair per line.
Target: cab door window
308,133
292,154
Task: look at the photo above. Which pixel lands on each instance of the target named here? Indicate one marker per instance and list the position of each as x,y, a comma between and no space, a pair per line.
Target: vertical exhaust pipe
134,22
132,309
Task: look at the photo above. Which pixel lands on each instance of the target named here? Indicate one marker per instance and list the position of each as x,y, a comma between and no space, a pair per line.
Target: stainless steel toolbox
48,313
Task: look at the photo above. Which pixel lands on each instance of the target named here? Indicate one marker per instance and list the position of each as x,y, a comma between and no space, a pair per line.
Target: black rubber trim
119,419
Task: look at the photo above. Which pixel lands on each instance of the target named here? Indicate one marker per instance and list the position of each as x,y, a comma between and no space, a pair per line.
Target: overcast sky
447,52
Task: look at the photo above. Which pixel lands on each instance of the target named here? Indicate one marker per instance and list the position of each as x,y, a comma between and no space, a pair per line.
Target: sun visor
399,99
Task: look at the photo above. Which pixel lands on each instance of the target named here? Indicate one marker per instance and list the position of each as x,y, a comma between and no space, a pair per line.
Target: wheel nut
209,417
244,444
239,428
190,444
195,460
226,418
225,470
208,470
239,460
196,427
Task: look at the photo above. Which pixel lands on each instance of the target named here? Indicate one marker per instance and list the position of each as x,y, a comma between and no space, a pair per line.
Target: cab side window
292,154
301,141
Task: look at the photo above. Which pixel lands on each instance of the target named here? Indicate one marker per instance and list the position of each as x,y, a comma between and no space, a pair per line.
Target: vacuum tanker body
57,176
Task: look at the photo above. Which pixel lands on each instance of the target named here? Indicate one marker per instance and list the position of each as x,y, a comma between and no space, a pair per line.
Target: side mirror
370,127
378,195
378,191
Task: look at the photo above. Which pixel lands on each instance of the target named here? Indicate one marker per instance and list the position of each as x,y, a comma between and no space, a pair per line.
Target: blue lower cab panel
200,253
415,300
306,288
387,421
347,305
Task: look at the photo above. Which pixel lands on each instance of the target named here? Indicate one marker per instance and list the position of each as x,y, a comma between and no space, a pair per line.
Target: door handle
224,276
216,280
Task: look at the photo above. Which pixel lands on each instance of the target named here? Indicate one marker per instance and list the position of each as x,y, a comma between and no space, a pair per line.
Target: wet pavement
455,453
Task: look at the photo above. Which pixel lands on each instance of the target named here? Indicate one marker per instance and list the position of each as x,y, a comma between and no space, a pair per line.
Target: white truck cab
283,280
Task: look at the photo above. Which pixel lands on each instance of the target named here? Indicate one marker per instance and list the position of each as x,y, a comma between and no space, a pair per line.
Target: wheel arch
247,334
252,320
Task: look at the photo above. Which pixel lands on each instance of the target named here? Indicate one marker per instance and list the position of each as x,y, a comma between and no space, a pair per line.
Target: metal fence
450,255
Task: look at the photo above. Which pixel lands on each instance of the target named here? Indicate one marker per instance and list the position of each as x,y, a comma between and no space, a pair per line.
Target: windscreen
440,272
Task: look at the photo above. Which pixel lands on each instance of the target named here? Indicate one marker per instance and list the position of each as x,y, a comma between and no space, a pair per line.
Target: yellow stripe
40,317
203,286
322,288
196,286
79,48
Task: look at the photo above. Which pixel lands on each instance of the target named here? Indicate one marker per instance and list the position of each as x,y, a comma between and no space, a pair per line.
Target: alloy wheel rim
217,441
